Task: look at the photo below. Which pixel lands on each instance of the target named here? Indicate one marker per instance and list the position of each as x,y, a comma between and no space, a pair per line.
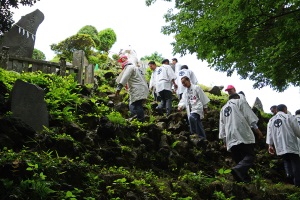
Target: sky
139,26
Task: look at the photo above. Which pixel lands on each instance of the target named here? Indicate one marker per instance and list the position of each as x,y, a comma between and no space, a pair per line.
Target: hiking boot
237,175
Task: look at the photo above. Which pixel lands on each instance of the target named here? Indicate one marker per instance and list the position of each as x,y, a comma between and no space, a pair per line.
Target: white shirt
283,130
236,118
177,68
194,100
188,73
298,119
164,77
152,82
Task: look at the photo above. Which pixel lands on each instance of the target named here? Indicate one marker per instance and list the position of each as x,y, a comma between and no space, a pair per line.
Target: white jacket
164,77
236,118
137,86
283,130
152,82
177,68
298,119
194,100
188,73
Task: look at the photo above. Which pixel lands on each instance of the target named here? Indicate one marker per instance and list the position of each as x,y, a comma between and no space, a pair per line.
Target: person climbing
165,78
152,83
231,90
236,120
184,71
175,65
273,109
282,133
137,87
195,101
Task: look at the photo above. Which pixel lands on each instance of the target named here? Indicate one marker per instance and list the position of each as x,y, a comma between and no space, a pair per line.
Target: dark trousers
136,108
156,97
196,126
166,101
244,156
291,163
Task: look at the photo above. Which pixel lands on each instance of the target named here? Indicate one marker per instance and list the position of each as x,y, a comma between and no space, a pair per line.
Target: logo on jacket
159,71
181,73
227,111
277,123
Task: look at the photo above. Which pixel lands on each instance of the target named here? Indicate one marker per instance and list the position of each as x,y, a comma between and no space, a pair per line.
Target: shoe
159,110
236,175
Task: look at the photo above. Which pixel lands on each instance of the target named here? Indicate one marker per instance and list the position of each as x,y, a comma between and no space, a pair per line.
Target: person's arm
269,139
256,130
271,149
222,134
181,104
175,85
295,125
127,73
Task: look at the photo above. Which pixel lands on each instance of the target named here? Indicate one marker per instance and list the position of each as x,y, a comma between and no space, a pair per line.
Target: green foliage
67,47
219,195
156,57
38,55
91,31
246,37
116,118
107,38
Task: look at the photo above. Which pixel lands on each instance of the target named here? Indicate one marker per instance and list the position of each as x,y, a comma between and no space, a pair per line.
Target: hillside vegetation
93,150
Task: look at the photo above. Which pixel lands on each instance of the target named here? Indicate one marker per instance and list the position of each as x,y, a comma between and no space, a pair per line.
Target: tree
107,38
67,47
38,55
154,57
6,20
257,39
92,31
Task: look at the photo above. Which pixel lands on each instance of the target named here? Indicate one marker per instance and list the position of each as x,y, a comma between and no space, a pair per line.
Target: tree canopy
258,39
107,38
154,57
92,31
67,47
38,55
6,20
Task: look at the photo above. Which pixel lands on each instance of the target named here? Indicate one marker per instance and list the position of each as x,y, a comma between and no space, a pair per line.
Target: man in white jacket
282,133
297,115
184,71
152,83
195,101
164,78
236,120
137,88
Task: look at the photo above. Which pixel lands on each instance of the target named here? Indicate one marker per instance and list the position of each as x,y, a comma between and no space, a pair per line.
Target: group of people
237,120
165,80
283,133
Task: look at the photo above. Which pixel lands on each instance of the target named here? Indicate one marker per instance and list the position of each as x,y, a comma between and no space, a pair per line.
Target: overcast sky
137,25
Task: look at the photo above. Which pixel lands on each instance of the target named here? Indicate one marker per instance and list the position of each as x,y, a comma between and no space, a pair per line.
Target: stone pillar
78,60
4,57
63,66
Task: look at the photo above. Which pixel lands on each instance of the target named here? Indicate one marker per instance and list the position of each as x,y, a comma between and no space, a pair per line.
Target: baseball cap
123,56
229,87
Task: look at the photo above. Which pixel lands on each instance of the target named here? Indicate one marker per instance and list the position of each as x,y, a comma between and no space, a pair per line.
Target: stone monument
28,104
21,37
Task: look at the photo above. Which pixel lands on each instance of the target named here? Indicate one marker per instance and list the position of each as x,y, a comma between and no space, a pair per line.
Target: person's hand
271,150
175,86
259,134
117,93
179,108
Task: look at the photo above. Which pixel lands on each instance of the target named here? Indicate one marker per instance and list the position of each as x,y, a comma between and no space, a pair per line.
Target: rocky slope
94,151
